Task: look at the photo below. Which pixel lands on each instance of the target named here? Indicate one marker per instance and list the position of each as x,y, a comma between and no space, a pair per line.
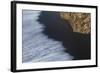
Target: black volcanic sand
77,44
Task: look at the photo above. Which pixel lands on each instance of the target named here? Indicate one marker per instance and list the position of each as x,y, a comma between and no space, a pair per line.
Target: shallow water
38,46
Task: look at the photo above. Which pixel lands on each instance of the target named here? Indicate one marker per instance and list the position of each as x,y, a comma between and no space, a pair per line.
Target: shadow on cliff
77,44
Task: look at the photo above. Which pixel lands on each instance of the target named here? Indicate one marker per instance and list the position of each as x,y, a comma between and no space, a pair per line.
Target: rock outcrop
80,22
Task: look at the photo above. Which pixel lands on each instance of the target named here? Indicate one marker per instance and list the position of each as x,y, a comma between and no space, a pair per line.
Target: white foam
37,47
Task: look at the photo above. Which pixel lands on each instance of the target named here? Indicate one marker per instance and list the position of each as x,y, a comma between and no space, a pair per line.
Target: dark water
56,28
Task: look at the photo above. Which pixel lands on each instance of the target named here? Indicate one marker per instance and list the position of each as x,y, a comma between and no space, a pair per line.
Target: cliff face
80,22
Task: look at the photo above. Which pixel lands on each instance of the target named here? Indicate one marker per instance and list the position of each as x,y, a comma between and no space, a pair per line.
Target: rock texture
80,22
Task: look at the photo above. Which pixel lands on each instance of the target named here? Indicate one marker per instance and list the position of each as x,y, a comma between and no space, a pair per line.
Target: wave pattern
37,47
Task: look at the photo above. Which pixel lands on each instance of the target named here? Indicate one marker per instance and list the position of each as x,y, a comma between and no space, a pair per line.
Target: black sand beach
78,44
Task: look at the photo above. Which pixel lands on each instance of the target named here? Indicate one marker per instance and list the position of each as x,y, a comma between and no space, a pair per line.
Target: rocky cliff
80,22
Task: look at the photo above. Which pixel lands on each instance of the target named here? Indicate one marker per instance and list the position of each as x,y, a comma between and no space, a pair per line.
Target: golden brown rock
80,22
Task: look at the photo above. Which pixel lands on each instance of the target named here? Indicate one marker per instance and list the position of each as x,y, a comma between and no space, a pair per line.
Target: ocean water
37,46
